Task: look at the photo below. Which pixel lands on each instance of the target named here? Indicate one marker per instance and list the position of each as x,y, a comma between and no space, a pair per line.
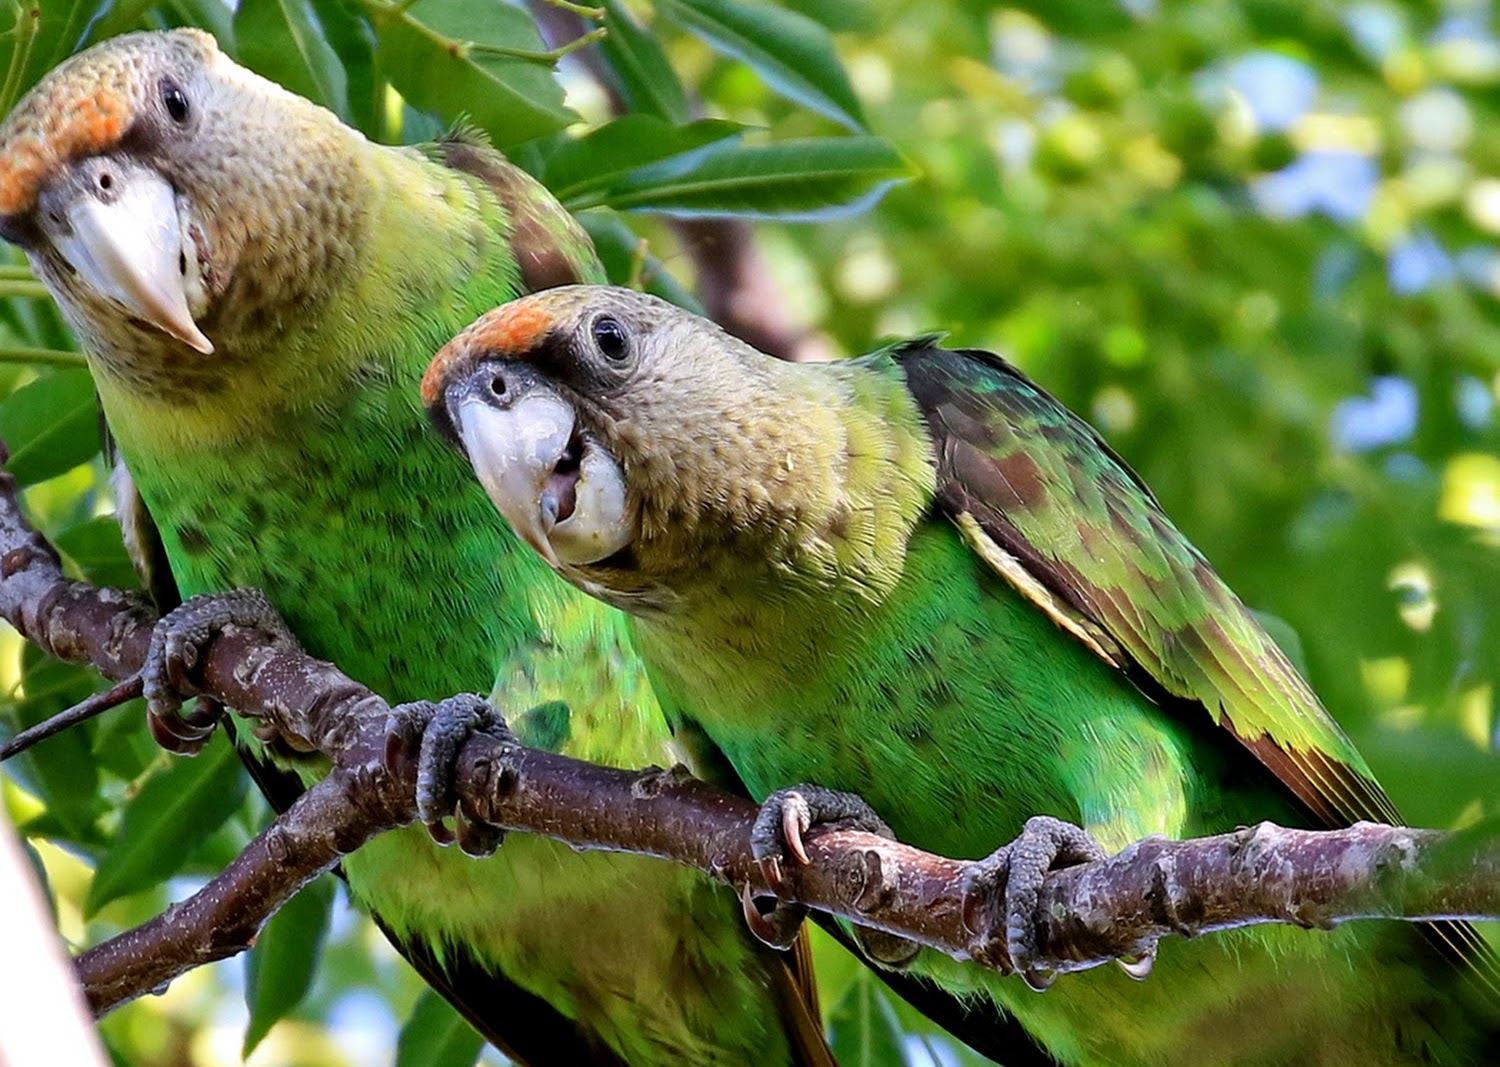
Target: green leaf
50,425
846,16
650,85
353,39
174,812
436,1036
792,53
282,40
605,156
424,51
809,179
39,872
36,44
214,16
616,244
97,549
865,1030
122,744
121,15
87,842
279,969
59,770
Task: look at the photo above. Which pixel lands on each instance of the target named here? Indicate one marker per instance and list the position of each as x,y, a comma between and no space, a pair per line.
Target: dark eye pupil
609,335
175,101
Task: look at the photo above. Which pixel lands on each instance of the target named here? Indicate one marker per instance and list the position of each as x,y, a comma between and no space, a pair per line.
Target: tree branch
1093,913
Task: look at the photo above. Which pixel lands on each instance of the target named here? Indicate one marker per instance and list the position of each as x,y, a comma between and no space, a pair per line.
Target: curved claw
778,836
1140,967
778,927
796,818
438,830
770,870
1038,979
265,732
475,838
174,652
890,950
184,735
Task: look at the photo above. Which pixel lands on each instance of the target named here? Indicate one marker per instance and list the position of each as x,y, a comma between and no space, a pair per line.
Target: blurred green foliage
1257,243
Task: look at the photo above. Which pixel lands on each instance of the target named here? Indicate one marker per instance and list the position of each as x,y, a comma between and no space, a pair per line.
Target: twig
51,357
84,710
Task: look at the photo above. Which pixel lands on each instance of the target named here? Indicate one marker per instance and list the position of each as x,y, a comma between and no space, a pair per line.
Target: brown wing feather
797,1004
550,246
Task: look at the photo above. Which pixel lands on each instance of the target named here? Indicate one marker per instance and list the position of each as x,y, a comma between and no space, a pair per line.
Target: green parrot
916,577
258,289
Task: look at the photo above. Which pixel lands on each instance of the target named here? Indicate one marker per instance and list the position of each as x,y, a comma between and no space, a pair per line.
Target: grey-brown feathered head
168,196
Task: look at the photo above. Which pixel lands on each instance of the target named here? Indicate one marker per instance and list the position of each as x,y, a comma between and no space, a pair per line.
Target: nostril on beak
497,387
106,181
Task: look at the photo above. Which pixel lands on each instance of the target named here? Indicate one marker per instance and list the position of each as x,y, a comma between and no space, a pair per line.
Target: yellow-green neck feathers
814,495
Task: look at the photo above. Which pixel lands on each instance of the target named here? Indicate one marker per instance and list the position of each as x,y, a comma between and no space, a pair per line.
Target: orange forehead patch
51,135
509,329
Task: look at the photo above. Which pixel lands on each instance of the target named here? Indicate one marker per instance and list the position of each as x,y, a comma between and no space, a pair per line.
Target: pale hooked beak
128,247
561,491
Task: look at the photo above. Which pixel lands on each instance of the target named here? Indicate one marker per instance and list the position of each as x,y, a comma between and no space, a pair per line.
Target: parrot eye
175,101
609,335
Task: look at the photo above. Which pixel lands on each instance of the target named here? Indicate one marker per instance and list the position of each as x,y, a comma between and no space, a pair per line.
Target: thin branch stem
51,357
28,24
549,58
83,711
29,289
581,10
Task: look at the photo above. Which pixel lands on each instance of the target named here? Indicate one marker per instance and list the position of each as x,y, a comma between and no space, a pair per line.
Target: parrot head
623,438
165,195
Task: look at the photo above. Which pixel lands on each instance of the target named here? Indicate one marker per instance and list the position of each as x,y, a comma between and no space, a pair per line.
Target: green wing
1058,514
1046,502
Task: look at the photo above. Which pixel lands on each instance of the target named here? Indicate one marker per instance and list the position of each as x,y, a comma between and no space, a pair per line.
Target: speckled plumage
296,459
916,577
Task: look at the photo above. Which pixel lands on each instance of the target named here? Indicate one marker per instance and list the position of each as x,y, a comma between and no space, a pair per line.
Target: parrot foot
1015,873
776,841
441,729
176,645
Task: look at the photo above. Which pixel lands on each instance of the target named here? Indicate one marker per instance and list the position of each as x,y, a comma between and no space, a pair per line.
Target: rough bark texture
1092,913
